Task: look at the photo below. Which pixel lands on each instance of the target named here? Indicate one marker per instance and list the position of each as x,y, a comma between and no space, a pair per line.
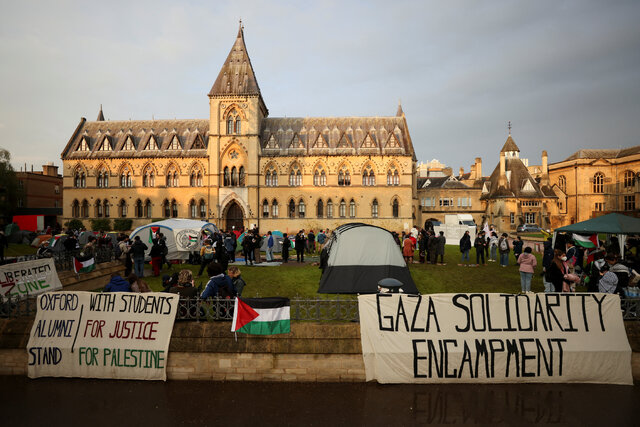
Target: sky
565,73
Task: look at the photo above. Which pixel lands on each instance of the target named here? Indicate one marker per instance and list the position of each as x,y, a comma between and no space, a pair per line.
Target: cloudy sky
565,73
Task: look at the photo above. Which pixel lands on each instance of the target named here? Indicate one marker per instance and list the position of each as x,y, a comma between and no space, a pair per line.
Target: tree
10,191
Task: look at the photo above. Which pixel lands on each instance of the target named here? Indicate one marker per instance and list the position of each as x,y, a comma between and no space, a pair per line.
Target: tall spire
100,115
400,112
236,76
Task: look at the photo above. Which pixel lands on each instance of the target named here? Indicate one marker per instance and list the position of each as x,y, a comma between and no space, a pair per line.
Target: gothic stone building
242,168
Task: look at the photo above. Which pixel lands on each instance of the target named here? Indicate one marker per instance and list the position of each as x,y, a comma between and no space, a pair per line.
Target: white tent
183,235
357,257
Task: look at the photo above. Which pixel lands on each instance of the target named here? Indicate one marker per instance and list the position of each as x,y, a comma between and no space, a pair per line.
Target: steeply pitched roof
400,112
335,135
192,134
236,76
440,182
509,145
611,153
100,115
520,183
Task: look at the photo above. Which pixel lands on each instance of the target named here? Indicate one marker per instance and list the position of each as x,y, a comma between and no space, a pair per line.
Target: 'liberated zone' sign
494,338
29,278
102,335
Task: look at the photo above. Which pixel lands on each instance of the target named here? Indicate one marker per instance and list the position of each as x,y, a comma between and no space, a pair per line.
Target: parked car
529,228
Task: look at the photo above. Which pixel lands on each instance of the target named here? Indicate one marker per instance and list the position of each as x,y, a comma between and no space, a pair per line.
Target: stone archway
233,216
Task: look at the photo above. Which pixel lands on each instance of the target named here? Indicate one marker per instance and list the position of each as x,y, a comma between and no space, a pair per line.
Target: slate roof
518,175
426,183
509,145
335,135
190,133
612,153
236,76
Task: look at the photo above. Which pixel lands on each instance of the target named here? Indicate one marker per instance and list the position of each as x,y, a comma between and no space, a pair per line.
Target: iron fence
64,260
342,309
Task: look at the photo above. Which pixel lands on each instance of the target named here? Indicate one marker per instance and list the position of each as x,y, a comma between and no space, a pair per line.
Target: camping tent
357,256
277,241
183,235
621,225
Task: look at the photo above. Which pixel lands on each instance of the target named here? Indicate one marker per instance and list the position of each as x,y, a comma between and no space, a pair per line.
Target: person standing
230,246
503,248
247,249
517,247
480,244
528,263
440,253
164,250
547,258
300,246
256,242
286,245
493,246
137,253
432,246
465,247
311,239
206,256
408,247
321,237
269,246
556,272
156,257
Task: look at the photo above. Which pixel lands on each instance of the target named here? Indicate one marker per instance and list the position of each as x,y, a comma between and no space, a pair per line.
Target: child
238,282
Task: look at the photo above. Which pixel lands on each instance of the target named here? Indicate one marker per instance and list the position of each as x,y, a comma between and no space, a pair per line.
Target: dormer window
234,123
175,143
152,144
84,144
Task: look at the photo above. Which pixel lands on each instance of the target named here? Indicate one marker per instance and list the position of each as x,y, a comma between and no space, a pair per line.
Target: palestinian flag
85,266
262,316
150,235
586,241
193,239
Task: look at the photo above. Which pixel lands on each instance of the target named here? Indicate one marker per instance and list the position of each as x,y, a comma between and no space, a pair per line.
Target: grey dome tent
357,256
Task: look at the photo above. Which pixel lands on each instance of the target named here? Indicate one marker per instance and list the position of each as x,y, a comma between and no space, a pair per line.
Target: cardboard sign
121,335
482,338
29,278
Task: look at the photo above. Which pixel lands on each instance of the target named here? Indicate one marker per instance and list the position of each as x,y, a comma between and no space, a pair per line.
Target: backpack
504,245
208,253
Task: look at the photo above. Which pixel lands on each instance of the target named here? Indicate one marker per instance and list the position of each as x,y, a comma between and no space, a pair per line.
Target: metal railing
64,260
341,309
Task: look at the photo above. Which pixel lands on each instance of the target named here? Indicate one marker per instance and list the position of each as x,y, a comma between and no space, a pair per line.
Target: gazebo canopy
611,224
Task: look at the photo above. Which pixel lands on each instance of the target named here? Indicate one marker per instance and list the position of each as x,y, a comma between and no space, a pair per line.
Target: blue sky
565,73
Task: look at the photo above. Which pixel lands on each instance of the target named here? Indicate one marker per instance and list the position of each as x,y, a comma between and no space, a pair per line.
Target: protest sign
121,335
485,338
29,278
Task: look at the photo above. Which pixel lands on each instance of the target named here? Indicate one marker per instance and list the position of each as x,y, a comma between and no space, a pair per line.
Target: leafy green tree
10,191
100,224
74,224
122,224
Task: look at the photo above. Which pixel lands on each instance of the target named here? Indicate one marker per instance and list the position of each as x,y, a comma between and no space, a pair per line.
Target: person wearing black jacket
137,254
299,246
465,247
547,257
156,256
480,244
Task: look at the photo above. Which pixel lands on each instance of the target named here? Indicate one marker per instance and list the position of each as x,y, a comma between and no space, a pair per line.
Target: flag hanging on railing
262,316
84,266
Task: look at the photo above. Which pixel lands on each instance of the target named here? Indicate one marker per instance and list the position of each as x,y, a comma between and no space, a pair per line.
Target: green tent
621,225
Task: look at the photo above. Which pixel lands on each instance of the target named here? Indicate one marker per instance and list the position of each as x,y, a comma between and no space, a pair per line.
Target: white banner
121,335
29,278
482,338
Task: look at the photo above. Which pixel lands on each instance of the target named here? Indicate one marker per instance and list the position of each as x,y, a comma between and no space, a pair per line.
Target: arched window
99,180
79,179
562,183
271,177
329,209
393,176
230,125
368,177
342,210
295,176
122,208
226,177
598,183
148,177
103,179
274,208
352,209
166,207
292,209
203,209
265,208
147,209
320,209
238,125
344,177
234,177
319,177
174,209
193,209
99,210
395,208
139,212
199,179
75,209
106,208
241,181
85,209
125,178
374,209
301,209
172,177
234,123
267,179
629,179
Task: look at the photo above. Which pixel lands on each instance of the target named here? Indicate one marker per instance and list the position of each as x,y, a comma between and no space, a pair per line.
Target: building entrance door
234,217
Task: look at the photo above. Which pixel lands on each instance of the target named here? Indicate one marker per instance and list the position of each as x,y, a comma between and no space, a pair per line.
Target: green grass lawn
295,280
19,249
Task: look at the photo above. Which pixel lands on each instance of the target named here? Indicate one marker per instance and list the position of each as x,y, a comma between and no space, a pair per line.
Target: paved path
70,402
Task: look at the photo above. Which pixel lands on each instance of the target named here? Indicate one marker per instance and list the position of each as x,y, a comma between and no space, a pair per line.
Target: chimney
478,167
545,169
461,171
502,178
473,172
49,169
